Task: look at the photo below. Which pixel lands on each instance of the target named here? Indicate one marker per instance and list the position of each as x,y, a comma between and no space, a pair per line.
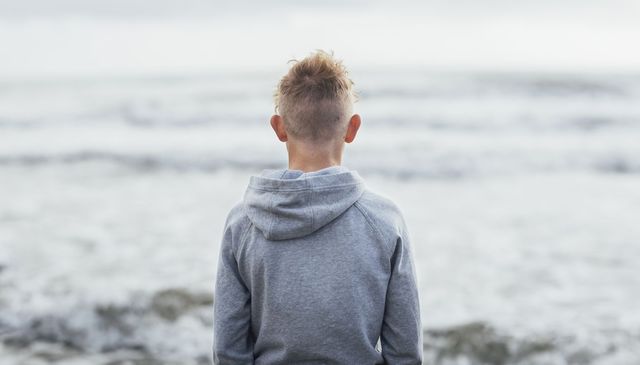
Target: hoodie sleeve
401,336
232,341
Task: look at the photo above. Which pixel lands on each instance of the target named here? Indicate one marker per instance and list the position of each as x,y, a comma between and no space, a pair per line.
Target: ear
278,126
352,128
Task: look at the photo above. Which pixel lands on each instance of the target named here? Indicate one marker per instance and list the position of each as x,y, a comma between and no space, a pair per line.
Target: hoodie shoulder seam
243,236
362,211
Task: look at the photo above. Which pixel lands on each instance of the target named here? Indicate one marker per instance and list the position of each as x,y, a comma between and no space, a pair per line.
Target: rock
474,340
170,304
482,344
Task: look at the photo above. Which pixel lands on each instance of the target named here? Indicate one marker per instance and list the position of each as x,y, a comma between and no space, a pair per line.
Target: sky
71,38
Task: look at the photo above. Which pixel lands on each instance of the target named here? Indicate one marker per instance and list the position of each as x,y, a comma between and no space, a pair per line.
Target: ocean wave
444,166
139,162
447,86
417,100
526,123
480,343
139,326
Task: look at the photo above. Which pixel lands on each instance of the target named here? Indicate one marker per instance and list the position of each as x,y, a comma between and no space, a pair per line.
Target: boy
313,267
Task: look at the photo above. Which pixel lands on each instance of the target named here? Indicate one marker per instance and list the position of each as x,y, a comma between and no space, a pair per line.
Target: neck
309,158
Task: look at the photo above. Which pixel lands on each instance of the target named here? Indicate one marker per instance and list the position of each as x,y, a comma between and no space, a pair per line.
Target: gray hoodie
315,269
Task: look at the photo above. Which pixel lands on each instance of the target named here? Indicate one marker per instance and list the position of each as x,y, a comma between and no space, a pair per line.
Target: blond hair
315,98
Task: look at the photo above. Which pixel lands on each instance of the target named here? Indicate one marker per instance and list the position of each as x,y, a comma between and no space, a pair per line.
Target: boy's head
314,102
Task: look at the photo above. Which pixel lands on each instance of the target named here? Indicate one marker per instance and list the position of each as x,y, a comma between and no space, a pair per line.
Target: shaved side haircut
315,98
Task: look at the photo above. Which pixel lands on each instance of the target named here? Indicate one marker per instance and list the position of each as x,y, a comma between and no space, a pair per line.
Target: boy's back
313,267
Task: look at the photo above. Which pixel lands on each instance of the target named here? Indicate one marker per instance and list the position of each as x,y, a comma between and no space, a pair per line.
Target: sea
521,192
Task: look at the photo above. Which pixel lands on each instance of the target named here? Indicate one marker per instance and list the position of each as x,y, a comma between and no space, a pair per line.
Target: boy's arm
401,336
232,341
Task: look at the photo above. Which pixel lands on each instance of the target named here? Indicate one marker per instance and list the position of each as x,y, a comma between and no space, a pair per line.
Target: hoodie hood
285,204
